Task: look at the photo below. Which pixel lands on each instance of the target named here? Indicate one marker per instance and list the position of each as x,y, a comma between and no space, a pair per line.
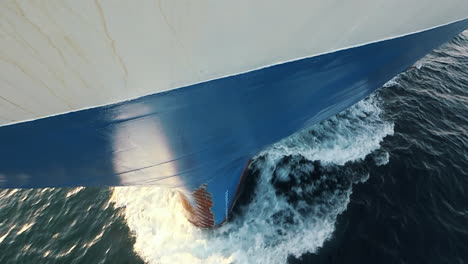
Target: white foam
74,191
270,228
392,82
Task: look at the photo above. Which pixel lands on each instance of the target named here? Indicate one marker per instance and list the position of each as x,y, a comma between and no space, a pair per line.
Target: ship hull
199,138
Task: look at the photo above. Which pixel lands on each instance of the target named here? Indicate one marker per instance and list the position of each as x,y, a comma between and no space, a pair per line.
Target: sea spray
302,184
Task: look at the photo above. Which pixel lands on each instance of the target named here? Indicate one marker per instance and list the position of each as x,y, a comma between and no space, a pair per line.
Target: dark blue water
415,208
383,182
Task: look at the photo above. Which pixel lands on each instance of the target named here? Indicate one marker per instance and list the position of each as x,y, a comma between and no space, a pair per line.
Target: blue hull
209,130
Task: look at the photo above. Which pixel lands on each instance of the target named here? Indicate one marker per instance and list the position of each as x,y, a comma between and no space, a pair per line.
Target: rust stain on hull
199,214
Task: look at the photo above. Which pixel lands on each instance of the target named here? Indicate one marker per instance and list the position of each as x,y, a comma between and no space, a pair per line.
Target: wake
302,184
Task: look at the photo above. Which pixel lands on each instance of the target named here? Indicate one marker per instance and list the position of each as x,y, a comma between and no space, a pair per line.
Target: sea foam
303,183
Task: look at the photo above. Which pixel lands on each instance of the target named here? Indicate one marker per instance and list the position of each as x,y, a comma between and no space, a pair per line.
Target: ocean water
385,181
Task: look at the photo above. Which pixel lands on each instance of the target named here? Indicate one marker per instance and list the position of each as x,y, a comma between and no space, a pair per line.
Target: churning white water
303,183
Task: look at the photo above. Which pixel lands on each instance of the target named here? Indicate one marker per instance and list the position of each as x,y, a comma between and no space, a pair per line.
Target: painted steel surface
59,56
203,133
